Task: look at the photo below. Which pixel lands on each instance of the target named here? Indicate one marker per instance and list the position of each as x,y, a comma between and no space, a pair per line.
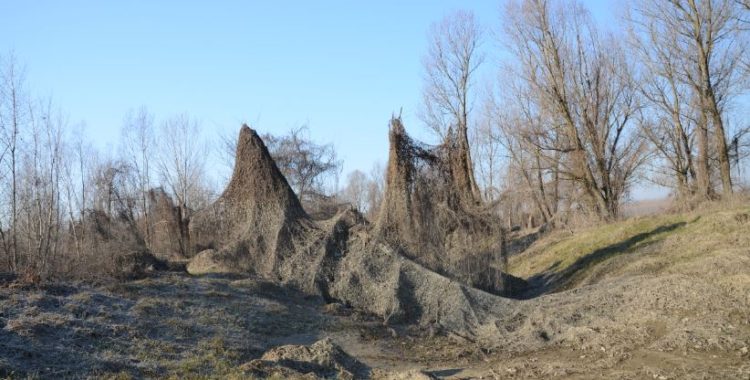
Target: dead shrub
429,213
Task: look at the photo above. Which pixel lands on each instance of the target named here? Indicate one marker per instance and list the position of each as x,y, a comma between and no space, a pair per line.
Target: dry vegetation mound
657,297
167,226
258,222
259,226
429,212
127,254
380,281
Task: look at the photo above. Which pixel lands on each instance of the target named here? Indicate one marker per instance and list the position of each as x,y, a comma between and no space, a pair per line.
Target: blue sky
340,66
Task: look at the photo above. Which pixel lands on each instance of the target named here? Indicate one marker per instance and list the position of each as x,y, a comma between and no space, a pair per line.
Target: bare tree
534,170
137,148
670,121
13,119
182,169
355,191
41,192
182,162
375,190
451,61
226,147
81,159
115,194
702,38
582,88
307,166
486,149
365,190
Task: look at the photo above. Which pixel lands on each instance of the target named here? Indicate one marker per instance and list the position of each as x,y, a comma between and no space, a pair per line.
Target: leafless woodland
574,118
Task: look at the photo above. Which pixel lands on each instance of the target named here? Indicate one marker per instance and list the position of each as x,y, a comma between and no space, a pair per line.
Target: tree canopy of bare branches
450,64
308,166
692,52
576,97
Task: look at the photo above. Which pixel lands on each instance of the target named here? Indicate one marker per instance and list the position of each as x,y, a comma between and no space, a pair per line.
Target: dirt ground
663,297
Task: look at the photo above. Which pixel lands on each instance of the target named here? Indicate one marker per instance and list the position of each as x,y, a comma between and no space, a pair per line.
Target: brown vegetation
424,248
428,213
264,230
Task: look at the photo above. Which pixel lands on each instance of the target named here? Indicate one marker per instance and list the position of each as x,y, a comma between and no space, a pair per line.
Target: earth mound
207,261
323,359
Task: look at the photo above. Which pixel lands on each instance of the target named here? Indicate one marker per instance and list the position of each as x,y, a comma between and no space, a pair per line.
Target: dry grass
666,243
170,325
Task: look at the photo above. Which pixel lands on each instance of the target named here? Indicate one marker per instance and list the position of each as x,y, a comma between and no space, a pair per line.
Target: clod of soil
324,359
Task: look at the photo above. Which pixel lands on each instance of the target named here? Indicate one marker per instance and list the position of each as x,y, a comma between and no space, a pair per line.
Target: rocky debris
323,359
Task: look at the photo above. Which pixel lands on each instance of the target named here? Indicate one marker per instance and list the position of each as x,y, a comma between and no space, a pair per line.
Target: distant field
646,207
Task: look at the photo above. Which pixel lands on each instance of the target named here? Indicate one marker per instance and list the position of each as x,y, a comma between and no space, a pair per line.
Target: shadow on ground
555,279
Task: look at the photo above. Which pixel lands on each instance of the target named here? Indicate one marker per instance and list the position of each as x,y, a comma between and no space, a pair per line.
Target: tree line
69,209
571,119
576,116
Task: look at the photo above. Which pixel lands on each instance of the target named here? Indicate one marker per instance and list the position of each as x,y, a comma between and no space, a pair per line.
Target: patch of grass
183,328
559,251
149,306
122,375
213,360
146,349
641,245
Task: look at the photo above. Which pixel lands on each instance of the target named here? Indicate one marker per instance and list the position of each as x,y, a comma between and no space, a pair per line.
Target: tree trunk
721,147
468,165
702,170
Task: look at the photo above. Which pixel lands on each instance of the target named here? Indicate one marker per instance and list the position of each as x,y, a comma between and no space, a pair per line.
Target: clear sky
343,67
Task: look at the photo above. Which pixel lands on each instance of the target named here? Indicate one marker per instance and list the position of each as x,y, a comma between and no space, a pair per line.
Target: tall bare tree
355,191
670,121
182,161
486,150
138,148
582,87
41,194
375,190
702,38
13,119
81,159
450,65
